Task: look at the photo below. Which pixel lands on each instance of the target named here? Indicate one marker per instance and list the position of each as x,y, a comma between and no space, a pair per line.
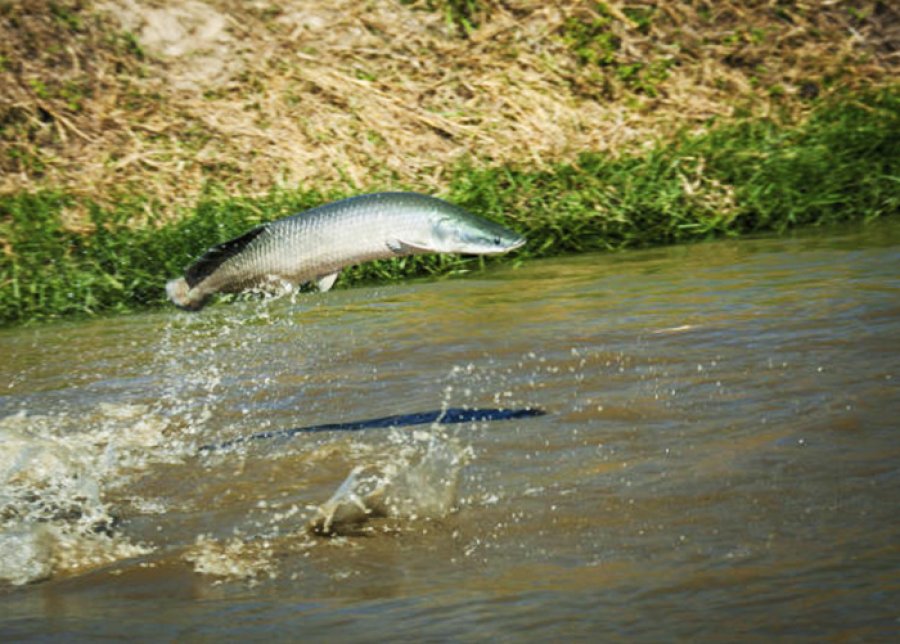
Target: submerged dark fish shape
449,416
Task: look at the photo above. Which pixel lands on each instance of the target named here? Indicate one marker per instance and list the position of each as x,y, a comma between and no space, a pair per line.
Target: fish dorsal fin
217,255
325,282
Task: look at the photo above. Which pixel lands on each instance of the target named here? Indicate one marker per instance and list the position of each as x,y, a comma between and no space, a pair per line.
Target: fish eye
497,241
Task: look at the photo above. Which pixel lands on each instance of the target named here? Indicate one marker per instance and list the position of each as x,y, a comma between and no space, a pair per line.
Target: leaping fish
316,244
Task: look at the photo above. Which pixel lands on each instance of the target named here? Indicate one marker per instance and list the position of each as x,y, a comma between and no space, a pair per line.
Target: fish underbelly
322,260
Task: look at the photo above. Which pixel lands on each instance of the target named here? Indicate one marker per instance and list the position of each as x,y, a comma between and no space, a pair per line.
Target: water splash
419,480
53,513
232,559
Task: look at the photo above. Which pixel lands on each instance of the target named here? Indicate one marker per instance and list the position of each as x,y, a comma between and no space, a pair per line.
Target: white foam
54,516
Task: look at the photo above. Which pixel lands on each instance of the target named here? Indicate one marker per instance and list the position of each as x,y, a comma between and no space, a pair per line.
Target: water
719,459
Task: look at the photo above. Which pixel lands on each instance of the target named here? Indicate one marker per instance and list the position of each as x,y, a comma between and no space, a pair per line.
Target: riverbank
112,100
743,175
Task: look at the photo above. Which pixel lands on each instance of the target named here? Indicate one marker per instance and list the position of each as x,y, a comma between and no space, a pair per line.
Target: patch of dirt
191,37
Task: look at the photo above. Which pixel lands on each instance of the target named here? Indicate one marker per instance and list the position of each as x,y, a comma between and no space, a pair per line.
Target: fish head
465,233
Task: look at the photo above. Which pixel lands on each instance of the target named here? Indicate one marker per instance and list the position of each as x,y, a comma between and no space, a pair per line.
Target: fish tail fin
180,294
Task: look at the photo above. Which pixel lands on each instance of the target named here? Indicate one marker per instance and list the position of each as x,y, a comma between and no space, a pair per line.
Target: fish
314,245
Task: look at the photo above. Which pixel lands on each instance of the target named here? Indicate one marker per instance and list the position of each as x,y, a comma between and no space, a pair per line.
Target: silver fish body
318,243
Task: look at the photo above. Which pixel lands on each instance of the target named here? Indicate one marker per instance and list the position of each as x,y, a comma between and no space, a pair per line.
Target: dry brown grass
256,94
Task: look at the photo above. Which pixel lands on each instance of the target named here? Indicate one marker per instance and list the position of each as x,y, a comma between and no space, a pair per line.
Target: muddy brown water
719,459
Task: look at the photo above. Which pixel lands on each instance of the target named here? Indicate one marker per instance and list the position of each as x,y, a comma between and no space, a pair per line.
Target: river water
719,458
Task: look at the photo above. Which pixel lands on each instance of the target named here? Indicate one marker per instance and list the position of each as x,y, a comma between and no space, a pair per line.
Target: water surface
719,458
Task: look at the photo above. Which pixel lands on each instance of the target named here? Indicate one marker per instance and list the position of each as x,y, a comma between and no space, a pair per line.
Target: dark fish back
217,255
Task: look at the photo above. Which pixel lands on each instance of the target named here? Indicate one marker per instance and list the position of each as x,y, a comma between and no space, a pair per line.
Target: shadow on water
451,416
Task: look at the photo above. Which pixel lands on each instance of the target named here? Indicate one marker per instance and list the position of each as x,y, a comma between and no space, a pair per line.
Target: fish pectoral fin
403,247
325,282
395,246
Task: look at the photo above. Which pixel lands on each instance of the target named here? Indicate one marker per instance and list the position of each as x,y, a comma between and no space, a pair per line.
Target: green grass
841,164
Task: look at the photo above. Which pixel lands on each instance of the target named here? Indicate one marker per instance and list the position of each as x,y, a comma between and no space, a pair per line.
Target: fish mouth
518,243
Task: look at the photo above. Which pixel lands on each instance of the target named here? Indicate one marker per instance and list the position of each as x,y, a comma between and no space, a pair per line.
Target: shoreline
743,176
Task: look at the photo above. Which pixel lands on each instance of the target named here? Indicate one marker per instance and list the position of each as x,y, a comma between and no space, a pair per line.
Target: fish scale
318,243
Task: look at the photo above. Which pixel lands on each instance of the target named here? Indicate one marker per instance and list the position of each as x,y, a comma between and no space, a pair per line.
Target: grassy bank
841,163
108,98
